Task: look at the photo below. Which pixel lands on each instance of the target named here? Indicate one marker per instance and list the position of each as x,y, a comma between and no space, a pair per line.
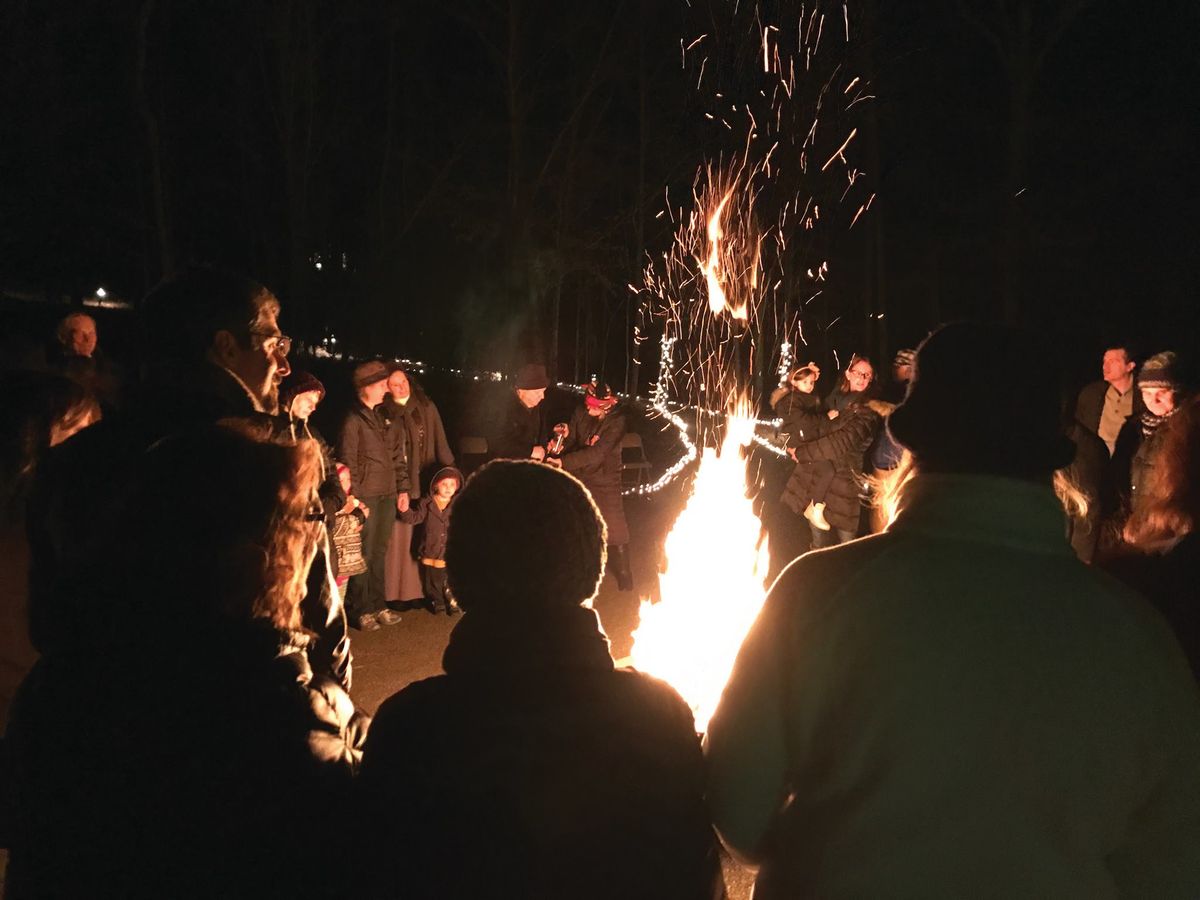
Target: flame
713,270
713,587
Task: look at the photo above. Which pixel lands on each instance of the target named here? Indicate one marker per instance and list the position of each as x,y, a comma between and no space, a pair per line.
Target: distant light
318,266
101,293
333,340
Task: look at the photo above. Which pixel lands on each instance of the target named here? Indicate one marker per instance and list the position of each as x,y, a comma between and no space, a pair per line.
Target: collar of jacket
504,640
1007,512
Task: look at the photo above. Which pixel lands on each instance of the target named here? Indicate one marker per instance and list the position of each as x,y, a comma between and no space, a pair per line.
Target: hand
539,453
833,414
553,461
366,510
792,453
402,502
350,503
593,440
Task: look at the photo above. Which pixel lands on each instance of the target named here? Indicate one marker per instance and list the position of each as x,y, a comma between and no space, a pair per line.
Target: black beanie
984,399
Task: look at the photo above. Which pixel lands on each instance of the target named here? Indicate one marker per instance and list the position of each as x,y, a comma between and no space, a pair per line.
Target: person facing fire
545,770
959,706
592,453
523,432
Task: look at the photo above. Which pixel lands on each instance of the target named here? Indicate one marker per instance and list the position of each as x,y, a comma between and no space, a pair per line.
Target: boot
618,563
815,513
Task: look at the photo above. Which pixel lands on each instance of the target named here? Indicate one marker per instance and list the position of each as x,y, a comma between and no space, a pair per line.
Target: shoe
815,513
387,617
452,608
366,622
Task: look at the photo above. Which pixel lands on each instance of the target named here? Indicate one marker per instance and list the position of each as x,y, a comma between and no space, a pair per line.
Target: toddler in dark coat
803,420
433,511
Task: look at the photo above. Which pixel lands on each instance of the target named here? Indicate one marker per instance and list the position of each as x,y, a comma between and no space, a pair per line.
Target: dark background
479,180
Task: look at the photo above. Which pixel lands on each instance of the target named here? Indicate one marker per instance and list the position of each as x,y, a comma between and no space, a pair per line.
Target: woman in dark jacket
192,753
419,431
592,453
547,772
844,446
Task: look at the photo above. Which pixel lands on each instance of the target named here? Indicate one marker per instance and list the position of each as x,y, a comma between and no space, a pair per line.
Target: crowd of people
968,703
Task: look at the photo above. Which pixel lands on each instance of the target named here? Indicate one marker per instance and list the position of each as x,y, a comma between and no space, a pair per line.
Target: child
346,533
804,420
433,511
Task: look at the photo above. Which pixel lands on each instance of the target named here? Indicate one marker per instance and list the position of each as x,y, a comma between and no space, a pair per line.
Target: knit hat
532,377
296,384
904,357
369,373
524,536
958,417
1160,371
599,396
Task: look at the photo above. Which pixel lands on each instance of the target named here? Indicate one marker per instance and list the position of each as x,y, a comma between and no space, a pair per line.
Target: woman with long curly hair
1163,561
189,750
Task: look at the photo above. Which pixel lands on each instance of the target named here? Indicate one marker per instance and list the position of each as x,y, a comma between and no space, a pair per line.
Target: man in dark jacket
592,453
546,772
215,352
523,432
371,447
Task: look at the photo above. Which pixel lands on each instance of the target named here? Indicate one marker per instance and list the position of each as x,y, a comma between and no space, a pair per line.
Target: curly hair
238,534
1172,503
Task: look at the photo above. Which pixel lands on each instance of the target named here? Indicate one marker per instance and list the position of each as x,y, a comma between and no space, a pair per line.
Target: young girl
433,511
347,533
804,420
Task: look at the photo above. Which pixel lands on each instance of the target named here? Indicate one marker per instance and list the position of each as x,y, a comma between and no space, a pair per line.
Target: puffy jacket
845,447
372,449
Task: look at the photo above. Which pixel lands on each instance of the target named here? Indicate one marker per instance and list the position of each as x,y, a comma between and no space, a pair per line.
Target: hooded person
432,517
592,453
911,713
552,772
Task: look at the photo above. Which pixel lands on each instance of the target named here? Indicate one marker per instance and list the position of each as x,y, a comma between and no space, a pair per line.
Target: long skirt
402,573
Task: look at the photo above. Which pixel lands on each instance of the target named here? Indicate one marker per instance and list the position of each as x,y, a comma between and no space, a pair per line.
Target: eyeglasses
272,342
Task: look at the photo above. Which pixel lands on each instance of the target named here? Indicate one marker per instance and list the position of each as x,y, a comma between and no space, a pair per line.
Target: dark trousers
435,586
365,593
830,538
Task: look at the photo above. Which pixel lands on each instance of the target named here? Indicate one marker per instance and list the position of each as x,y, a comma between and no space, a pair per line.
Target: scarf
490,640
1151,423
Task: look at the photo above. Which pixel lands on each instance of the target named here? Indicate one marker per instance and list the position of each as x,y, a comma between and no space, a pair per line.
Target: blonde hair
1172,499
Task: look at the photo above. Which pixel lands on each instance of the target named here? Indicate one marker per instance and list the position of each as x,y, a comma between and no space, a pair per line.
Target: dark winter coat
205,766
545,773
802,415
521,429
592,453
420,429
431,543
372,449
845,447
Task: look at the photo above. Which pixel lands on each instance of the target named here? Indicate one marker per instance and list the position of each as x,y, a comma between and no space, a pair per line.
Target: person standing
523,431
419,430
369,445
1161,386
544,771
78,356
1103,407
959,707
592,453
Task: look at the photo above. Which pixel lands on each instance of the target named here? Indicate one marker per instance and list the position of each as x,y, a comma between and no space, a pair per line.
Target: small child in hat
804,420
433,511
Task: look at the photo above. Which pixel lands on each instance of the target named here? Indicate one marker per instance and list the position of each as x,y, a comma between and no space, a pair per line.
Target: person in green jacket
958,707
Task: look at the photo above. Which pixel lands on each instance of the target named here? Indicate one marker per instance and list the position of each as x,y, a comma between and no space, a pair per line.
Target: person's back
978,712
532,768
959,707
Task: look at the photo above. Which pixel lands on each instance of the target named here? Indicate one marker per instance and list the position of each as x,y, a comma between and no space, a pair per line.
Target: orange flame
713,587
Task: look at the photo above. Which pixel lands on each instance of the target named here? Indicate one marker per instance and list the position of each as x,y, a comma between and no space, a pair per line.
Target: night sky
461,170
